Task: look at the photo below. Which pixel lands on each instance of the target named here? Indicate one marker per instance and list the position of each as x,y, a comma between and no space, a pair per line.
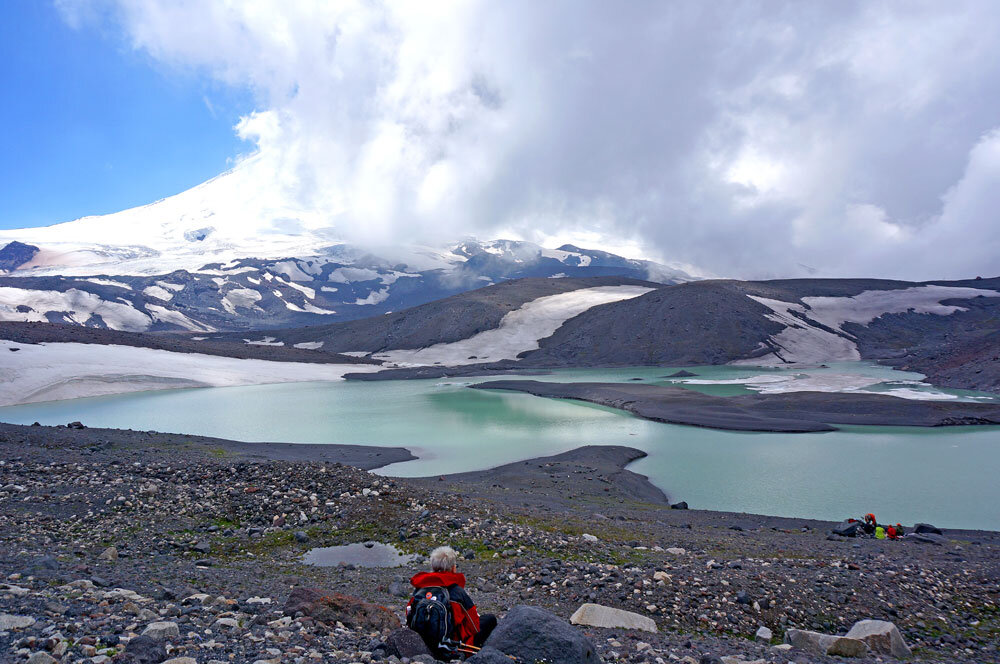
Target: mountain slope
344,283
781,322
443,321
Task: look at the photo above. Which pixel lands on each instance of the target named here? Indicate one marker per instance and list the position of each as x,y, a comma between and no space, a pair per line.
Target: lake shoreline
793,412
535,483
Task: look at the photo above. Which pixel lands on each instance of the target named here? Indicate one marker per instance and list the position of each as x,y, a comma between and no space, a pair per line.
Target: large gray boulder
825,644
882,637
531,634
596,615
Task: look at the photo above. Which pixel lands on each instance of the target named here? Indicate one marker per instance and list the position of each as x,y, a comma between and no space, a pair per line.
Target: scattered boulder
109,555
925,538
162,630
596,615
42,657
181,660
301,536
145,649
679,506
763,634
530,634
847,529
824,644
404,642
587,537
927,528
330,608
882,637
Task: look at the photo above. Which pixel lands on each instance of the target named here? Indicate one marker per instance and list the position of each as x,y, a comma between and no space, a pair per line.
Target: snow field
47,372
803,342
519,331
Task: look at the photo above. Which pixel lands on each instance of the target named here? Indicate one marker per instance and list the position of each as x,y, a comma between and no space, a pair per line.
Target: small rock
595,615
41,657
763,634
162,630
587,537
145,650
301,537
9,621
404,642
110,555
882,637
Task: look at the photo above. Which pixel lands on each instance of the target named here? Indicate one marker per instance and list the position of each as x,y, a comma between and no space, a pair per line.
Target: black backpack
429,615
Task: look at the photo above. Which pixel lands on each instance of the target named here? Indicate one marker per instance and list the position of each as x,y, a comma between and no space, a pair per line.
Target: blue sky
92,126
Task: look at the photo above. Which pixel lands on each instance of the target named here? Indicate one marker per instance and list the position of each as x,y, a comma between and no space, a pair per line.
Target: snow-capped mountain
223,256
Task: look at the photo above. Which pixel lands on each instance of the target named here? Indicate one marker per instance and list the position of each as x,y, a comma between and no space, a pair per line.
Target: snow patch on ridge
519,331
19,304
823,382
158,292
803,341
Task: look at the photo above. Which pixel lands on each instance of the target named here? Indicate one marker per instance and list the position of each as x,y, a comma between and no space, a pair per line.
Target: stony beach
140,547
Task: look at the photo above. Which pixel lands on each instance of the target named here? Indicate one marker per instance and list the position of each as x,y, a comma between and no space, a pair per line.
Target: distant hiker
870,524
879,532
442,612
891,532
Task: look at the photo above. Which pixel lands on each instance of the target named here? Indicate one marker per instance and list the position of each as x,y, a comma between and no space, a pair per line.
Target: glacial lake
945,476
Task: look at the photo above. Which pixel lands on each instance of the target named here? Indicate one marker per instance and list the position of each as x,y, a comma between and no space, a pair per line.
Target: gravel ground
208,535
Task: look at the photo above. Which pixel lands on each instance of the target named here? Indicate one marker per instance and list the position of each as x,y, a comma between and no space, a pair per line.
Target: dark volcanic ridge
796,412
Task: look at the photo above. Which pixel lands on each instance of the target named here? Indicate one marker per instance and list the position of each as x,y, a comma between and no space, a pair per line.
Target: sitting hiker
879,532
442,612
891,532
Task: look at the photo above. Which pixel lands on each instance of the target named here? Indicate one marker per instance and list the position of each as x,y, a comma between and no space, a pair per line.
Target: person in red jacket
470,628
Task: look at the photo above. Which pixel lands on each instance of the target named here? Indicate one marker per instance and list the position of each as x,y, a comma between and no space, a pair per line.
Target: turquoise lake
946,476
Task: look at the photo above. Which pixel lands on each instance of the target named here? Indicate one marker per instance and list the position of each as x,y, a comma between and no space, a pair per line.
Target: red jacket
463,610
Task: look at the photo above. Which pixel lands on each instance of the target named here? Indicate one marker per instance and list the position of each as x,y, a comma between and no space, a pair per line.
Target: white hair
443,559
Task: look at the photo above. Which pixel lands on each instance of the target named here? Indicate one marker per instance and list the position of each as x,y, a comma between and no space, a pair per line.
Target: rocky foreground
141,547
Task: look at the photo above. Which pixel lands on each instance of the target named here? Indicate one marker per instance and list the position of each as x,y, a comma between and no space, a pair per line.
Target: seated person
469,627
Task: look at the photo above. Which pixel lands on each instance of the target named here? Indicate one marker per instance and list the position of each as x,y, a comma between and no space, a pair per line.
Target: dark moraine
796,412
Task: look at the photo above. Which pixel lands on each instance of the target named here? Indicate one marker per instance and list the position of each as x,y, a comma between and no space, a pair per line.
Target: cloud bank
749,139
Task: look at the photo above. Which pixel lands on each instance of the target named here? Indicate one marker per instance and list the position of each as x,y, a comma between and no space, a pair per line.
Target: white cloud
746,139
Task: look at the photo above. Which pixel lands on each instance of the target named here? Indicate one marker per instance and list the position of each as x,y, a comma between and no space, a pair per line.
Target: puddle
368,554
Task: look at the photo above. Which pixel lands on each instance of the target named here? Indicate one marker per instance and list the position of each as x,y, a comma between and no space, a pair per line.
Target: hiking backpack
429,615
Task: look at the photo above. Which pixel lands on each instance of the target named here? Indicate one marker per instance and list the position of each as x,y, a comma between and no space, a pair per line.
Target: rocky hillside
143,547
948,330
443,321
